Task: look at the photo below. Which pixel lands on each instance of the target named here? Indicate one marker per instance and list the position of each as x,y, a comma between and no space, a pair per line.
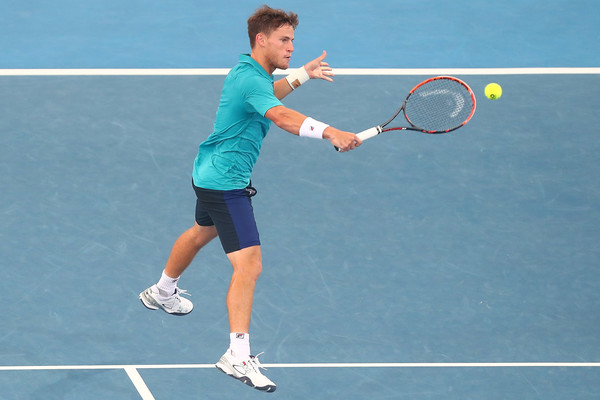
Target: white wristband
312,128
297,78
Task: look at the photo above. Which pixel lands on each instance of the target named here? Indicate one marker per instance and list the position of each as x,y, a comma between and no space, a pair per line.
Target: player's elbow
280,116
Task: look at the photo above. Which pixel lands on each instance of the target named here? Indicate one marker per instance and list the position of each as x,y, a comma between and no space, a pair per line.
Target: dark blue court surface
479,246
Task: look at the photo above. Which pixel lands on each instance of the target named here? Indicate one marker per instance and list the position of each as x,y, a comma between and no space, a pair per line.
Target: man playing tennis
250,101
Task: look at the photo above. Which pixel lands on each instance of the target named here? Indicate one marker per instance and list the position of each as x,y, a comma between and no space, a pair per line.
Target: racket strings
439,105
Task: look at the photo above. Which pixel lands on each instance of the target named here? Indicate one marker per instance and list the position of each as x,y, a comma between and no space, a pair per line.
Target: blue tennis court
459,266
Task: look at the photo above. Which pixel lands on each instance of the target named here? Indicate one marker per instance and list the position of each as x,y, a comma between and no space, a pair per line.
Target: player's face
280,46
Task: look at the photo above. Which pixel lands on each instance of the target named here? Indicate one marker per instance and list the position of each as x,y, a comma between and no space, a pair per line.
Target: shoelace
182,291
254,360
176,298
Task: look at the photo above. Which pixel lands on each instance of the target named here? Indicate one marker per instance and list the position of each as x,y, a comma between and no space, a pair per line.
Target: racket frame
376,130
412,126
369,133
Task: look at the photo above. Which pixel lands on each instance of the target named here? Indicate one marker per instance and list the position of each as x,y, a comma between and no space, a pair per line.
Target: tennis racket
437,105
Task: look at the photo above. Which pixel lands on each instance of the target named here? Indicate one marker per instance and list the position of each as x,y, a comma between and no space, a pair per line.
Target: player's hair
266,20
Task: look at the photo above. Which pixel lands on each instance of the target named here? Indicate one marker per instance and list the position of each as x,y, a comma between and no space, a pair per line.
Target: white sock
166,285
239,345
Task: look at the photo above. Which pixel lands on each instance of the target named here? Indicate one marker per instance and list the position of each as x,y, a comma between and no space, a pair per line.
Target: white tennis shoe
247,371
174,304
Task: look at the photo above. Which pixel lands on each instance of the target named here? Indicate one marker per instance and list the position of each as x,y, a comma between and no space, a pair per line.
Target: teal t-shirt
226,158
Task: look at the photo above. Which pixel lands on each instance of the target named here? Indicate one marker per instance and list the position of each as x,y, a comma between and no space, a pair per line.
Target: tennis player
250,101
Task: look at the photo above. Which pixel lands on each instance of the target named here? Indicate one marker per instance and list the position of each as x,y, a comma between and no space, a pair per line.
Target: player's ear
260,38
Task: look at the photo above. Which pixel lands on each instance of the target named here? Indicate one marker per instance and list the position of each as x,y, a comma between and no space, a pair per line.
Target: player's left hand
319,69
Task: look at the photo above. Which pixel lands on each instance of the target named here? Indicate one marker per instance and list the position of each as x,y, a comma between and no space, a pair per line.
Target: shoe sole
247,381
150,306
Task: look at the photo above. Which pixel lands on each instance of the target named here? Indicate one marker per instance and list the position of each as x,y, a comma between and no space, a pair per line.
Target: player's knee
201,235
254,269
247,262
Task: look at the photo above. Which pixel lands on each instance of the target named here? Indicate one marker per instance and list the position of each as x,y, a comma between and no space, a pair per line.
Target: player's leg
247,266
237,361
165,294
240,239
186,247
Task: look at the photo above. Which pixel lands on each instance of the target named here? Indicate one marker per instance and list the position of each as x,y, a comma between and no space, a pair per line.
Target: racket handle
366,134
369,133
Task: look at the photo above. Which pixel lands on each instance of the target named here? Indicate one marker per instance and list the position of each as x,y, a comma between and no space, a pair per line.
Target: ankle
167,285
239,345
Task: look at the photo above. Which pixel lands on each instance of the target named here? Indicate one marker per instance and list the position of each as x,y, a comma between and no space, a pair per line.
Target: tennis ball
493,91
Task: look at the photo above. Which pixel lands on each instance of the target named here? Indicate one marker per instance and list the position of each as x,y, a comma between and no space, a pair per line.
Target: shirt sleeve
259,95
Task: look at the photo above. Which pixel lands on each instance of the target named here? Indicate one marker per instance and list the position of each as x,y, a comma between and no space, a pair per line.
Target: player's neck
263,61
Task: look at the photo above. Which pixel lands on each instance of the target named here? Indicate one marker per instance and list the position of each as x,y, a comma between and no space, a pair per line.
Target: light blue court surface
405,257
357,34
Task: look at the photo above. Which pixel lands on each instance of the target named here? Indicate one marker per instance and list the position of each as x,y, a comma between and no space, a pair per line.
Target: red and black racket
436,105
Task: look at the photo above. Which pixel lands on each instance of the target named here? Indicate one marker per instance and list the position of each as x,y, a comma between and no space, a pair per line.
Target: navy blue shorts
231,212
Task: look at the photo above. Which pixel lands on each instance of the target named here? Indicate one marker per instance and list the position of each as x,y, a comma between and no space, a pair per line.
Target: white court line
337,71
313,365
144,392
139,383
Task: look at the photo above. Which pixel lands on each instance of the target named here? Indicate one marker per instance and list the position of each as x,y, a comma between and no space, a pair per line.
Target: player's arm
298,124
282,88
316,69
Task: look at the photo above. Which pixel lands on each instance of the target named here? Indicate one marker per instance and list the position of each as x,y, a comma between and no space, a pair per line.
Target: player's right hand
342,140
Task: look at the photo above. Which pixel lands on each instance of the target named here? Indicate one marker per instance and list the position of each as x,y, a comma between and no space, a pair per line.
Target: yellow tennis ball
493,91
